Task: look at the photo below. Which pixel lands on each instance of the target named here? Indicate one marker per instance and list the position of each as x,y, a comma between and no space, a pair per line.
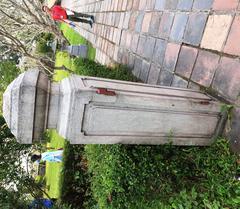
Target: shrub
90,68
40,180
46,137
60,205
74,181
42,46
163,176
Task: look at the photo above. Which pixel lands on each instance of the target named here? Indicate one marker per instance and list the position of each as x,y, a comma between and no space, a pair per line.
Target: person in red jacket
59,13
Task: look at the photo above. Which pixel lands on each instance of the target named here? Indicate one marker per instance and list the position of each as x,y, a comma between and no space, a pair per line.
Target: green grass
52,179
54,170
62,58
74,38
155,177
74,181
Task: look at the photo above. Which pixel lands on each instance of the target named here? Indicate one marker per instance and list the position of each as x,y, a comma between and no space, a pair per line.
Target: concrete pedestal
77,50
87,110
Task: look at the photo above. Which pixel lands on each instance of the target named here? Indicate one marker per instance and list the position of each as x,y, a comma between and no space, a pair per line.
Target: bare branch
11,17
21,22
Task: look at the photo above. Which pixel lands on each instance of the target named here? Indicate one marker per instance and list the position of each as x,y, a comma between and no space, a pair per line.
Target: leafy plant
90,68
40,180
42,46
74,182
8,72
163,176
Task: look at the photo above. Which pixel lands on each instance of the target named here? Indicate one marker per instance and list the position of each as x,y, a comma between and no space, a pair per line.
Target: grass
53,170
74,181
63,58
74,38
155,177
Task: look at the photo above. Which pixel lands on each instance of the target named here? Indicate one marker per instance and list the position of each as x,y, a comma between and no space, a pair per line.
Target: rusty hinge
105,92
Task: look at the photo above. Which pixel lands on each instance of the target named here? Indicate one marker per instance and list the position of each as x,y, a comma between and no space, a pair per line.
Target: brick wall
180,43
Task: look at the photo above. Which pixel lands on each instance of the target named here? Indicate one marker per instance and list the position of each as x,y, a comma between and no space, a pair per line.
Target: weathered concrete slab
87,110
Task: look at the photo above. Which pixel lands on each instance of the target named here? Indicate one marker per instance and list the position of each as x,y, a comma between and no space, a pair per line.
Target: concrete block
179,82
121,20
123,38
144,71
155,22
166,24
146,22
129,5
117,19
160,5
124,5
224,5
233,41
137,67
131,61
142,4
171,4
134,43
119,7
153,74
227,78
126,20
159,51
205,68
165,78
216,31
141,45
178,27
194,29
185,5
171,56
128,39
150,5
186,61
135,5
139,22
149,47
132,21
202,4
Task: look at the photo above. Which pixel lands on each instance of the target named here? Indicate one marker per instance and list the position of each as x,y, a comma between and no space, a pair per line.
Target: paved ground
181,43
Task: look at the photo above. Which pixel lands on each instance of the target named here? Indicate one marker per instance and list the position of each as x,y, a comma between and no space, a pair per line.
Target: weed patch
74,181
90,68
163,176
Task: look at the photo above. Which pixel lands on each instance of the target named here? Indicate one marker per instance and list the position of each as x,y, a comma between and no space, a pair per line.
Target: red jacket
58,13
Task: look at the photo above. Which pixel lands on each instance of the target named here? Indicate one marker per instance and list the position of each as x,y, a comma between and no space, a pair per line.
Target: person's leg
78,14
76,19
